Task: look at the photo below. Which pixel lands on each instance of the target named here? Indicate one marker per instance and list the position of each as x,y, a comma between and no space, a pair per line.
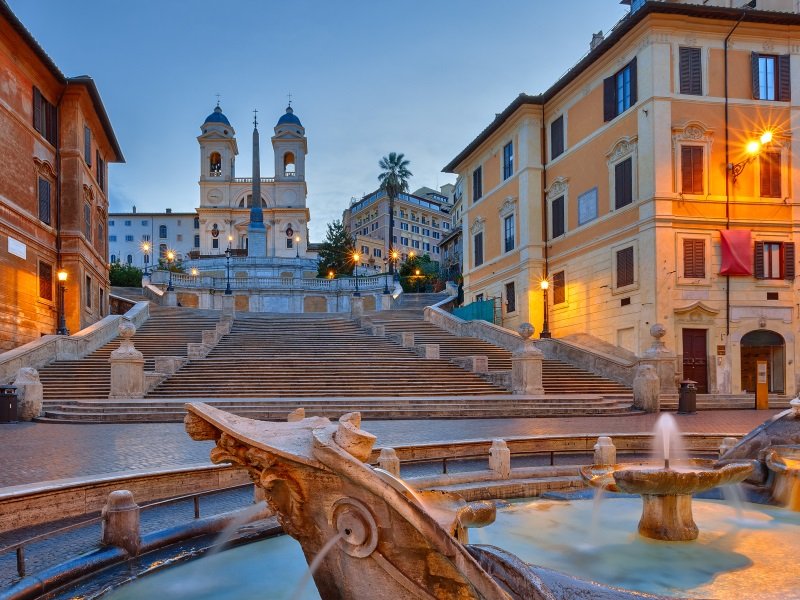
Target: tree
125,275
394,181
336,252
417,273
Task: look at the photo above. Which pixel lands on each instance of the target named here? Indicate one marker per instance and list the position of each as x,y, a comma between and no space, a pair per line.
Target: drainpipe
728,177
543,138
61,304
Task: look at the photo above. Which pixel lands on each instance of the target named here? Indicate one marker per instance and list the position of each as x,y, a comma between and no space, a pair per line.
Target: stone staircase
418,301
557,377
165,333
725,402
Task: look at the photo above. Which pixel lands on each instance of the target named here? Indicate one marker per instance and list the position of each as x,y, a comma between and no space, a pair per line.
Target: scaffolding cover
736,252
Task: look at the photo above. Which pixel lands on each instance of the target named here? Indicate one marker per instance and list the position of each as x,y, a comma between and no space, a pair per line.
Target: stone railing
589,359
119,305
153,292
50,348
483,330
183,280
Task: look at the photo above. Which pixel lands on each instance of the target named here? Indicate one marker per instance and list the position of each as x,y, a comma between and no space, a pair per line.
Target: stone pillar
228,305
646,389
386,302
379,330
474,364
526,365
356,307
407,339
605,452
662,360
727,444
127,367
29,394
210,337
170,298
121,522
388,461
430,351
500,459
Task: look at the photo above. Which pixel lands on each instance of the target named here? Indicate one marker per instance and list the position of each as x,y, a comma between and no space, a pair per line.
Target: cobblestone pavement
36,452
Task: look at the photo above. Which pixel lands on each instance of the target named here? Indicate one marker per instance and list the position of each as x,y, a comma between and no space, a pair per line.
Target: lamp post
417,275
170,259
297,244
228,290
62,286
545,333
386,275
146,247
394,256
356,258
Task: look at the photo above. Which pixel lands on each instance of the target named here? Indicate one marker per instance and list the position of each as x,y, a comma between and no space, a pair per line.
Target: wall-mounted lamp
753,148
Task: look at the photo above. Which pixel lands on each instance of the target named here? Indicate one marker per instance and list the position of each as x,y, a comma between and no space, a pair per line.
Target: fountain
784,463
666,491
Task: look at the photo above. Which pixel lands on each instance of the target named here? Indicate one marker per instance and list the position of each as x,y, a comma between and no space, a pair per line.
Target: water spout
312,568
667,442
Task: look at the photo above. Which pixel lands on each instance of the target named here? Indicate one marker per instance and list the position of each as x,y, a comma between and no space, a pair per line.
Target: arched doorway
767,346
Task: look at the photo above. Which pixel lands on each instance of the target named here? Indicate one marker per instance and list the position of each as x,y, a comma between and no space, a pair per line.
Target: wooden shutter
44,200
557,137
623,183
87,145
634,82
758,261
558,217
694,258
770,165
625,267
45,281
51,132
691,73
754,74
784,85
558,288
609,99
37,111
692,169
788,260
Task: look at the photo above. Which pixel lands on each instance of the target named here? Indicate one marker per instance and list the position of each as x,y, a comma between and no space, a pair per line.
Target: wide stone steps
728,402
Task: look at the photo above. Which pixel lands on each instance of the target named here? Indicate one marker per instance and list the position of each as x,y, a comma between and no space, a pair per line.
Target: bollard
500,459
407,339
389,462
605,452
121,522
127,367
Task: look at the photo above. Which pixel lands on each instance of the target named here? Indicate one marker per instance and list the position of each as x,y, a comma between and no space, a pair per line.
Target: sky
366,77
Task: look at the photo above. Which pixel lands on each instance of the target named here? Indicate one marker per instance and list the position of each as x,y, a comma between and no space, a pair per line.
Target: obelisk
256,233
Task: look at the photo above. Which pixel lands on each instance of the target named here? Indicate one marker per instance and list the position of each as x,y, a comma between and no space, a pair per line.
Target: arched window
215,164
162,231
289,167
130,259
113,258
247,202
197,222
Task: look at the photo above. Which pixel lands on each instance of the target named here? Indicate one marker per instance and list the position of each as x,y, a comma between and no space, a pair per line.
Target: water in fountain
668,446
312,568
243,517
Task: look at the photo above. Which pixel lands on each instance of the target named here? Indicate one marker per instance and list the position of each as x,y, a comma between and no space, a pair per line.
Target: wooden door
695,358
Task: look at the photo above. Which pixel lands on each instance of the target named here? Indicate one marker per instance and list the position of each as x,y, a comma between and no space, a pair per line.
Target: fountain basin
784,464
666,493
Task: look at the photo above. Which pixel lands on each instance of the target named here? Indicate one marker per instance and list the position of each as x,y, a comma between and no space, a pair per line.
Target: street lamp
386,263
356,258
146,247
194,271
170,258
417,275
62,323
297,244
545,333
753,148
228,290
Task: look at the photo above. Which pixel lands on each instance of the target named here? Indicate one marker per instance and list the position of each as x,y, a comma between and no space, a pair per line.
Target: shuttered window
692,169
625,267
771,77
774,260
557,210
477,249
45,117
511,297
694,258
691,71
559,288
101,171
623,183
45,281
557,138
45,194
770,164
508,160
87,145
620,91
87,292
87,222
477,184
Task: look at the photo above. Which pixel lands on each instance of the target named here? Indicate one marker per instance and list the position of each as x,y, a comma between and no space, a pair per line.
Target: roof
289,118
217,117
83,80
615,36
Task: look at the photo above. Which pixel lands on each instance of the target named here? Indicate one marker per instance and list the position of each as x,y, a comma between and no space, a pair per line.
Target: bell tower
290,147
218,152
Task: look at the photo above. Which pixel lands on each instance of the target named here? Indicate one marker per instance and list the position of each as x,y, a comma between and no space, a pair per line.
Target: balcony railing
342,284
250,180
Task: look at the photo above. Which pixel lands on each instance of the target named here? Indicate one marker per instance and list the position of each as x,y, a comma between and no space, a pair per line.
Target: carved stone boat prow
313,472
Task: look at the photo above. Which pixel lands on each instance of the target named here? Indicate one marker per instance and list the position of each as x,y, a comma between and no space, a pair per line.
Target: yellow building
619,183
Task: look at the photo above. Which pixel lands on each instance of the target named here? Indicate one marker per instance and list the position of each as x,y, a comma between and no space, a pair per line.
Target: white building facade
140,239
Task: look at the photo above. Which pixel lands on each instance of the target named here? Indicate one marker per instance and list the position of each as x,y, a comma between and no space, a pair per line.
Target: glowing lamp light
417,272
766,137
170,255
194,271
230,238
297,239
395,255
544,284
62,275
145,246
330,274
356,257
753,147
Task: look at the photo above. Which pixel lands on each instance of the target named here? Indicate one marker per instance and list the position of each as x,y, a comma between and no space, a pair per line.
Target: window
619,91
404,226
559,288
87,145
364,250
694,258
179,237
197,222
437,235
129,259
162,250
623,183
625,267
88,292
196,241
215,165
145,237
587,206
415,244
774,260
477,184
146,259
111,223
426,232
376,252
101,233
511,297
436,249
127,223
477,249
426,246
44,200
404,241
691,71
478,297
508,233
112,238
508,160
145,222
557,215
215,243
290,243
45,281
102,304
114,258
87,222
692,169
45,117
101,171
770,164
557,137
128,238
415,229
771,77
162,231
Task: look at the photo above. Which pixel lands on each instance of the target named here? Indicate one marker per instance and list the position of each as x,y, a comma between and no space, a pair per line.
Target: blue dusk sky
367,77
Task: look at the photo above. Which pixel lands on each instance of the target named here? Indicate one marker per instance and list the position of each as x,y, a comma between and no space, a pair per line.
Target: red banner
737,252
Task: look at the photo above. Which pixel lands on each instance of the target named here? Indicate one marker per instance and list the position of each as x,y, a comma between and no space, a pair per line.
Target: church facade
228,218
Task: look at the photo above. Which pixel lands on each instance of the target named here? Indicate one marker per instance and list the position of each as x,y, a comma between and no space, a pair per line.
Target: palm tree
394,180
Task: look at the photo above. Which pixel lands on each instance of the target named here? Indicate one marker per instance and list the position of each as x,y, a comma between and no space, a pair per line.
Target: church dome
289,118
217,117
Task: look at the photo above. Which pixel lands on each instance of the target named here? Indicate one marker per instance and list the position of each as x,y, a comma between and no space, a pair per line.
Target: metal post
228,290
169,283
62,322
21,561
546,321
386,263
356,274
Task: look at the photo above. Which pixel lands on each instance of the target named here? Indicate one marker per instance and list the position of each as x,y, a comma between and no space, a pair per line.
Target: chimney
596,39
169,211
134,209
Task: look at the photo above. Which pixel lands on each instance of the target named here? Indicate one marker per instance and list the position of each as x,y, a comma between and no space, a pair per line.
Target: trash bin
687,397
8,404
